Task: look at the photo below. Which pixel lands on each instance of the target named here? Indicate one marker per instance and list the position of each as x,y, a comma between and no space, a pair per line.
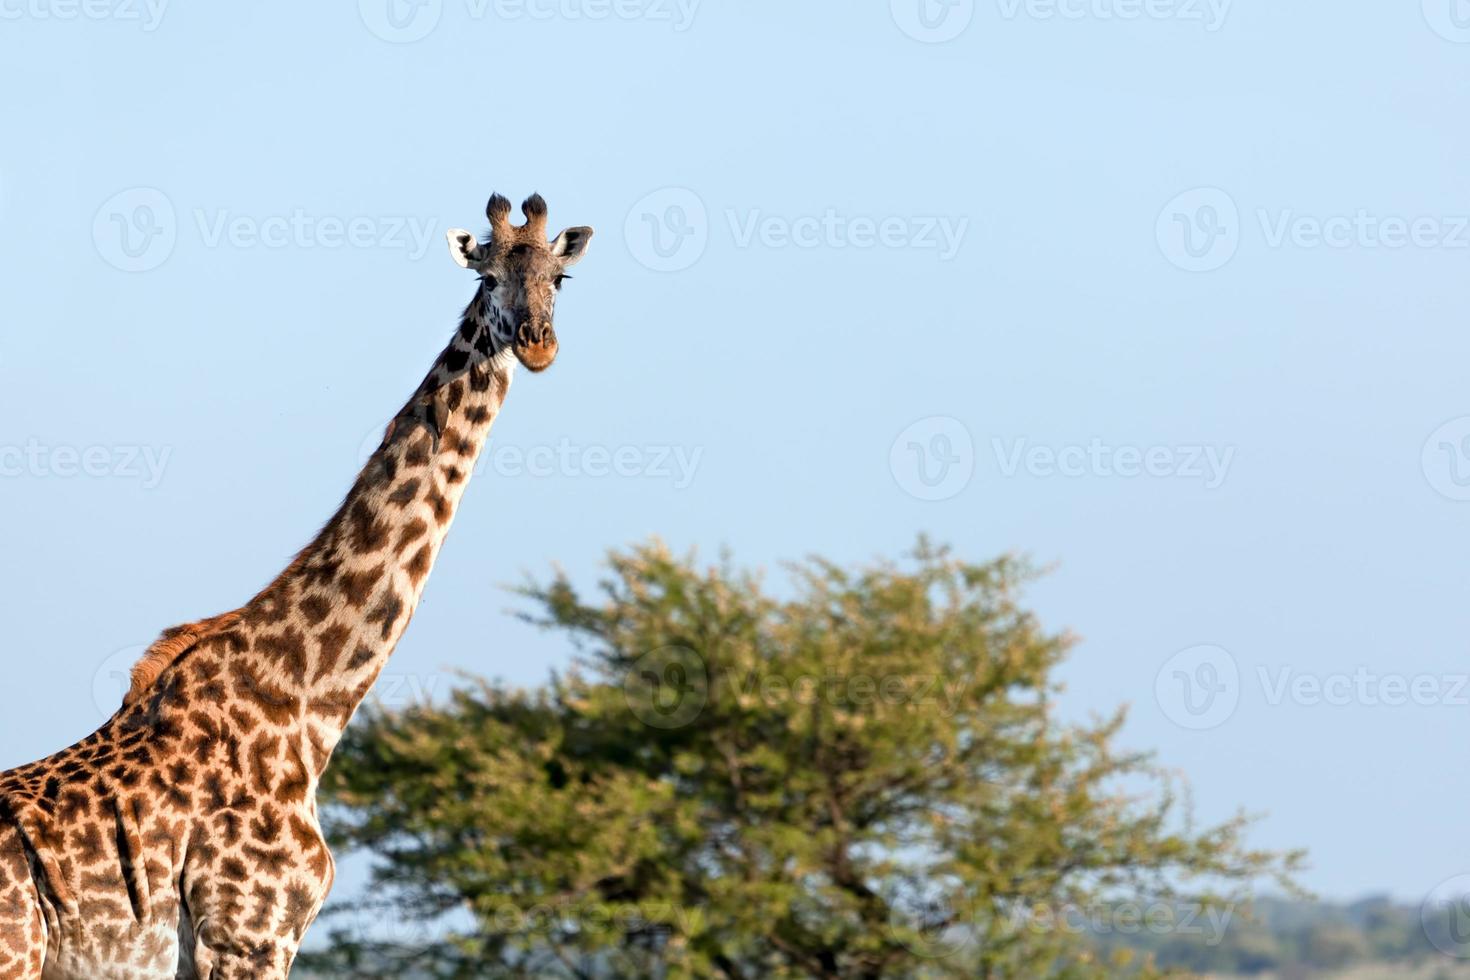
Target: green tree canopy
865,778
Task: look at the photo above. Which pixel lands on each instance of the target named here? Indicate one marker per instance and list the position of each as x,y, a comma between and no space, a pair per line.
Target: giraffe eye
490,283
561,279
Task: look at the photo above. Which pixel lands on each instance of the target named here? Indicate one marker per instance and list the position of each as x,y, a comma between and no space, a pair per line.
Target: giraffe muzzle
535,346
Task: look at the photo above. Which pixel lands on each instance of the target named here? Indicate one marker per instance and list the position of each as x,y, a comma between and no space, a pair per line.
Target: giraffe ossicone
181,839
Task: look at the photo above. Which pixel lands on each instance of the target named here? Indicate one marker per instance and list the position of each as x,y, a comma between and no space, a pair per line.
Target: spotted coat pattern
181,839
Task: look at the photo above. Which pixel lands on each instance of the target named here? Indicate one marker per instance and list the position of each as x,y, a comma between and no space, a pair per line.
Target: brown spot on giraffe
442,506
315,608
418,566
330,644
412,532
368,531
357,585
405,493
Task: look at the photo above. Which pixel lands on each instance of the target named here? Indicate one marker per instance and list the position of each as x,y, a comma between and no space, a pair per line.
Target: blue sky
1167,293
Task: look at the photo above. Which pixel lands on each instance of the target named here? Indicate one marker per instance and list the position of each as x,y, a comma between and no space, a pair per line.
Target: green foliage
865,779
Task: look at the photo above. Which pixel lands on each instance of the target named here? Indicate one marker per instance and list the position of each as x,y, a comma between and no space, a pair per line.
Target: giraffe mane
172,644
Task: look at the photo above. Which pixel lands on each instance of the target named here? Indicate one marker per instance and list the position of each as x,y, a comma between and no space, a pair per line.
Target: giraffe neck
311,645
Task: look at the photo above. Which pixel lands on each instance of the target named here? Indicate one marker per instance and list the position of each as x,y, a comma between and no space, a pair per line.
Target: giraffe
181,839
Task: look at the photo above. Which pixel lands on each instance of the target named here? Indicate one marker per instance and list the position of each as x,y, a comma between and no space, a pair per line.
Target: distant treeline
1299,938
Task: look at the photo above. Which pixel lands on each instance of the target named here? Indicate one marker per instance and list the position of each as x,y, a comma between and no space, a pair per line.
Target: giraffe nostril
536,335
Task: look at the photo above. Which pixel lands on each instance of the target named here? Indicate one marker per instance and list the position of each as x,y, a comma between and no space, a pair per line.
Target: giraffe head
520,273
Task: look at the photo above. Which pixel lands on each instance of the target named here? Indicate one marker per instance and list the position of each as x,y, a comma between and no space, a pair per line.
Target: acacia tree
863,779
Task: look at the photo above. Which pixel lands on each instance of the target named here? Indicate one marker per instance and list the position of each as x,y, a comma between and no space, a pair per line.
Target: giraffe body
181,839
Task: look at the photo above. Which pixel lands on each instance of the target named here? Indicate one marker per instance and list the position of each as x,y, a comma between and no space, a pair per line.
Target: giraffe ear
571,245
464,248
